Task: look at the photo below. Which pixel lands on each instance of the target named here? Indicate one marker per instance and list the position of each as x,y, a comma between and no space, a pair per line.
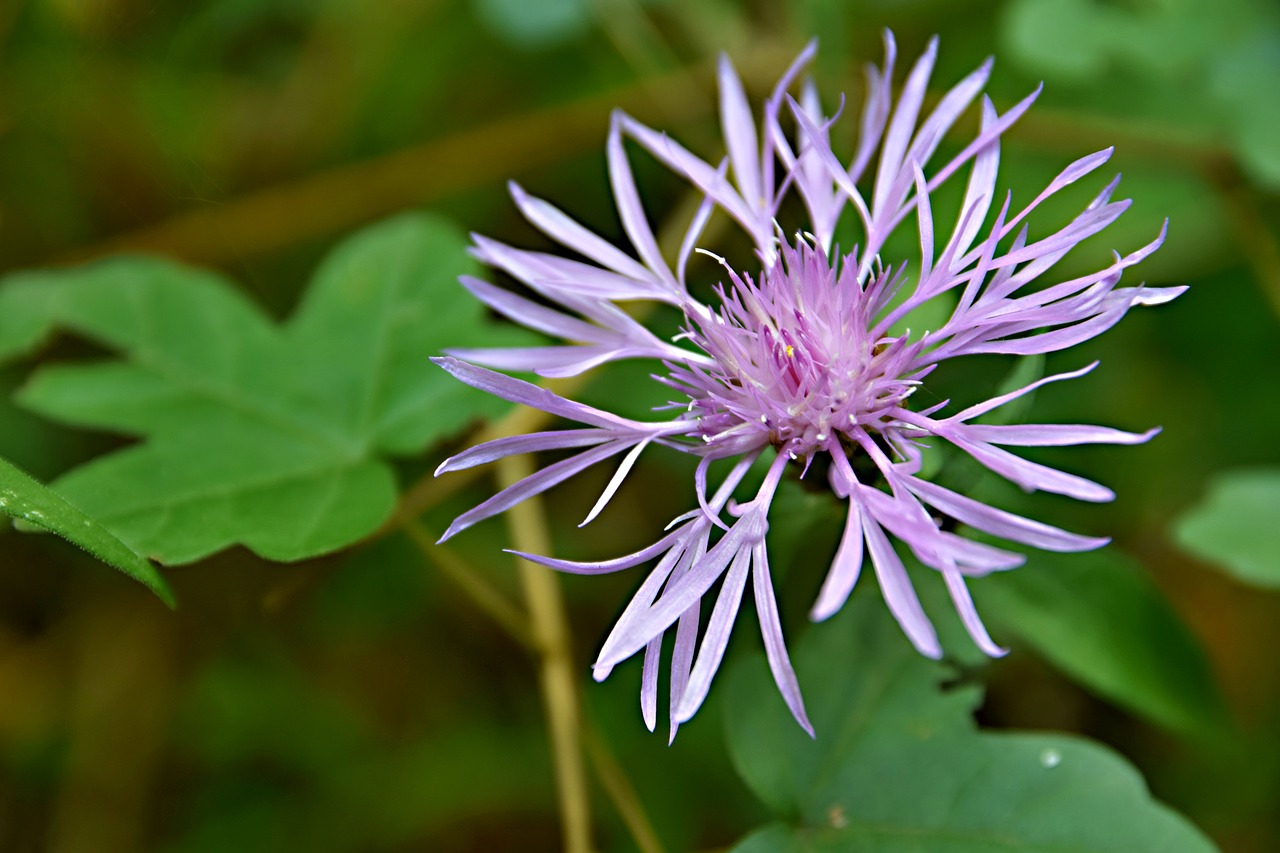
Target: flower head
799,358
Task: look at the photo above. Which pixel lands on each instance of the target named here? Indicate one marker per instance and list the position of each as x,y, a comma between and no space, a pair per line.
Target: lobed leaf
1103,622
273,436
899,765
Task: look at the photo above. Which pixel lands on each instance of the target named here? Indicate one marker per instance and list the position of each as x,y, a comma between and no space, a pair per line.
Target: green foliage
1100,619
1225,55
23,498
1096,617
361,703
535,25
1235,526
899,765
348,785
271,436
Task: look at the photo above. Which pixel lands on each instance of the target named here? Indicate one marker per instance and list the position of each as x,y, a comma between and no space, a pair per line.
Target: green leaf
1235,526
23,498
1242,78
1100,619
1034,33
899,765
271,436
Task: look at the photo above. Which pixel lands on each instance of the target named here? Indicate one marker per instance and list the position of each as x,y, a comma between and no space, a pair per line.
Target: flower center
795,364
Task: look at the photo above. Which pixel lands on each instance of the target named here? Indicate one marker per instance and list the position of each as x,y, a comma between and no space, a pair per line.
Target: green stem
483,594
620,790
551,636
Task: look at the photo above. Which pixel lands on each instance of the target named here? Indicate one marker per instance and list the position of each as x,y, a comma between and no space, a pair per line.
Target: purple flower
798,359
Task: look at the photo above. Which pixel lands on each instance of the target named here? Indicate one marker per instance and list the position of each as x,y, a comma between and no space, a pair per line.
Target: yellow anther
790,350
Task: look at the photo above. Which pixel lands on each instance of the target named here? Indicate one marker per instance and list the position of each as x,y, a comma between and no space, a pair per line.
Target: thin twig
1049,128
272,219
620,791
472,583
633,35
527,524
277,217
331,202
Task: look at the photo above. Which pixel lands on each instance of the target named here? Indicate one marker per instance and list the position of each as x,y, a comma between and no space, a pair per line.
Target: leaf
1034,33
1241,78
899,765
1100,619
271,436
1235,526
23,498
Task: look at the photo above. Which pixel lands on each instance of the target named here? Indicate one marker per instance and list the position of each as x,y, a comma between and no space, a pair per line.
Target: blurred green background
361,701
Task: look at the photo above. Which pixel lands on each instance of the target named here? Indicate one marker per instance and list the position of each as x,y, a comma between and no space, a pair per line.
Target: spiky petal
800,359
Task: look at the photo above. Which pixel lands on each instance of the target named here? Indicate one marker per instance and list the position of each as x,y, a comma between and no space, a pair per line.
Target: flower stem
551,637
483,594
494,603
620,790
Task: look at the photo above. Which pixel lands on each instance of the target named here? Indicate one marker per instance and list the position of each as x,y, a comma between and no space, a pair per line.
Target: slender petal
1030,475
704,177
898,594
616,481
844,571
775,645
900,128
634,221
683,594
601,567
1000,523
649,683
530,314
981,189
716,638
519,391
796,354
740,135
969,615
565,231
534,484
682,662
674,561
1055,435
556,361
500,448
996,402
